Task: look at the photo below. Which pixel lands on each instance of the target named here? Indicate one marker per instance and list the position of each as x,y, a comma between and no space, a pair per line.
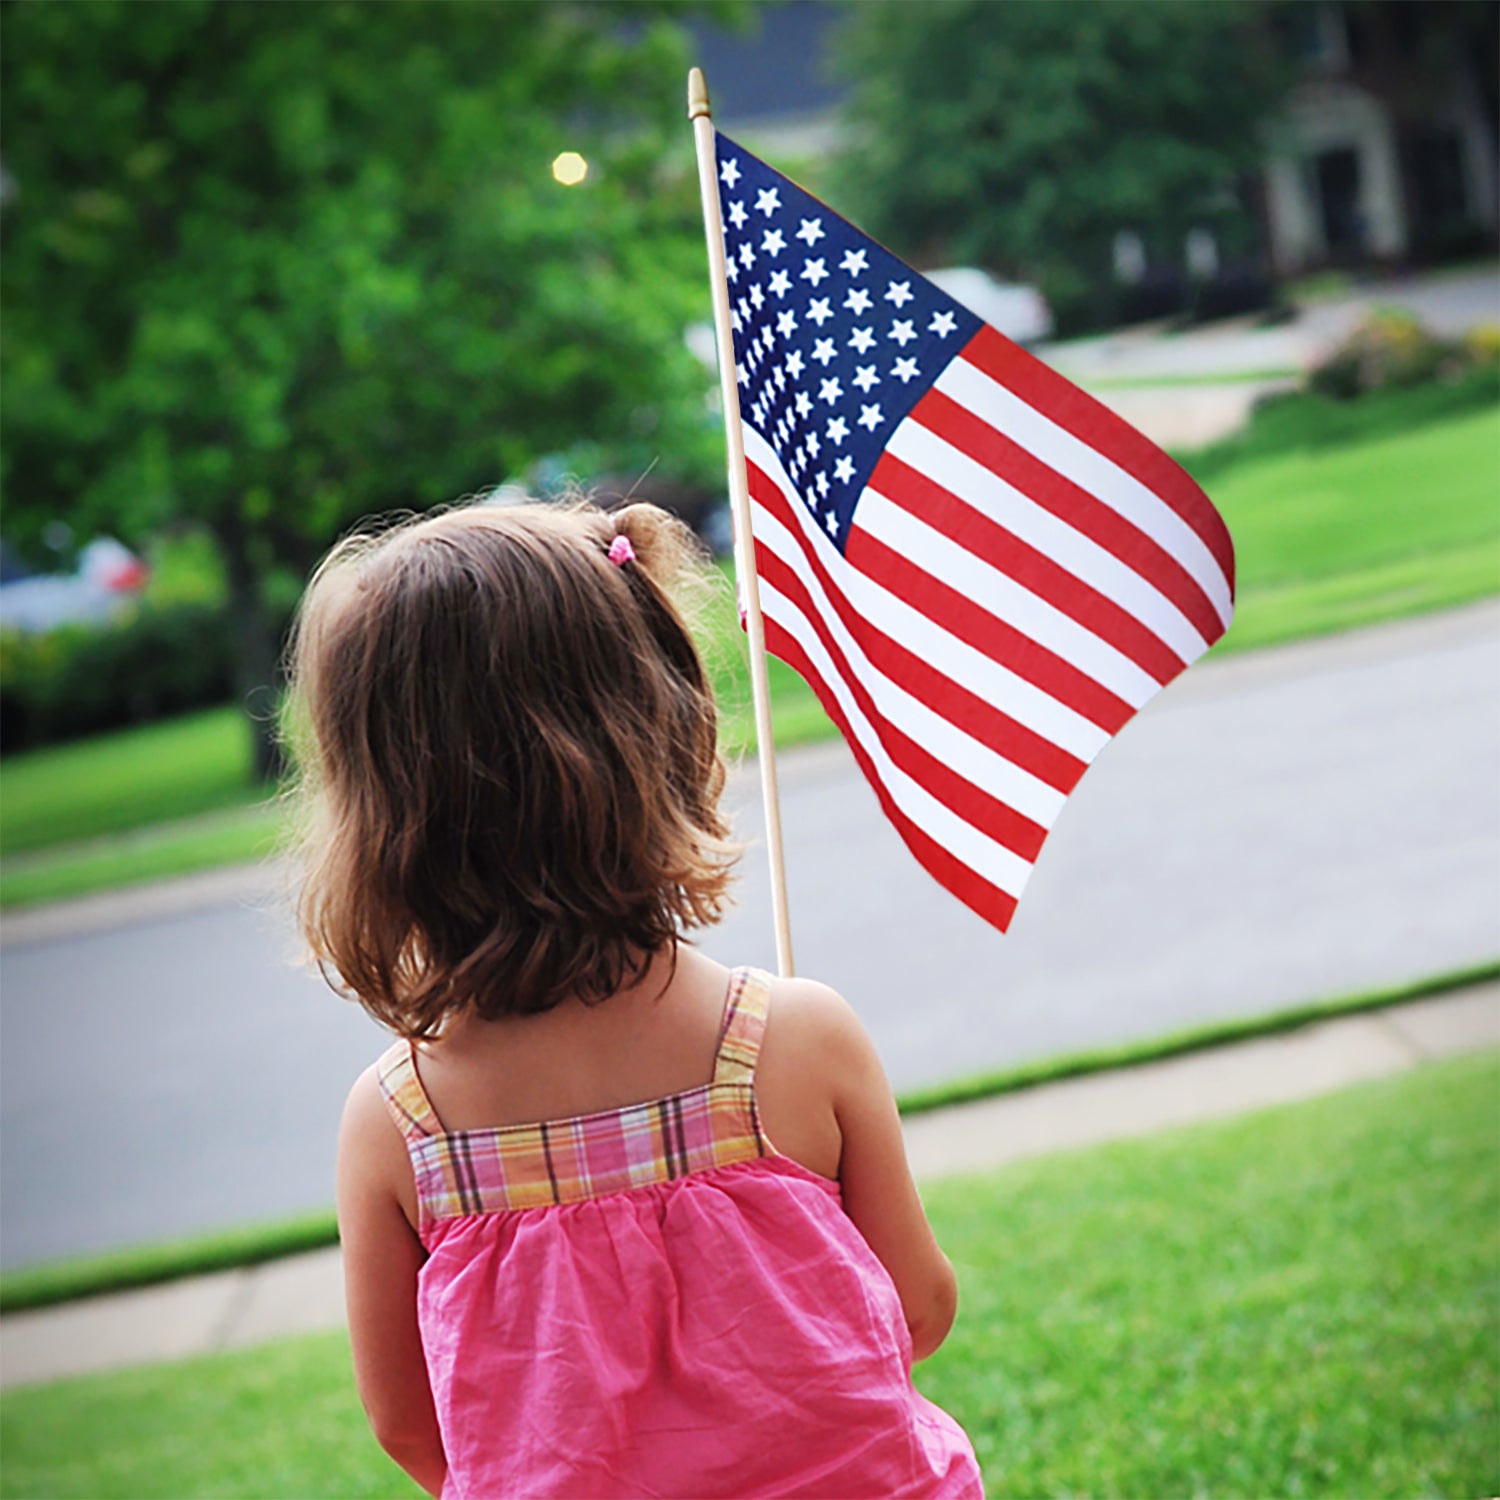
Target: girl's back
651,1296
615,1222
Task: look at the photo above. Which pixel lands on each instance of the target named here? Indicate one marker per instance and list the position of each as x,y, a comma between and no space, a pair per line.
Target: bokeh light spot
570,168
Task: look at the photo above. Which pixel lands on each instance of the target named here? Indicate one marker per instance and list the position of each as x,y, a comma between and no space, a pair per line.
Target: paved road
1279,827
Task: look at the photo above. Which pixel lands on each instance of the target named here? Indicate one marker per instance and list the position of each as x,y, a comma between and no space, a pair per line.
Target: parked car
108,575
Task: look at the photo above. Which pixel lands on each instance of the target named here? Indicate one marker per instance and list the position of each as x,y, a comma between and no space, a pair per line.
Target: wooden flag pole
739,500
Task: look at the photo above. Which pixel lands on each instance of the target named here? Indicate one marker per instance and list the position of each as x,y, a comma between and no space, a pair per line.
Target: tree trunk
257,674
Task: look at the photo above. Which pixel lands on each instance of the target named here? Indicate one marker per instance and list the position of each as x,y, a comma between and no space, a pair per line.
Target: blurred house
1385,152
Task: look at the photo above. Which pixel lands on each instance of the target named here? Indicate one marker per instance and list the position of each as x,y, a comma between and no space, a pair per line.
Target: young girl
617,1221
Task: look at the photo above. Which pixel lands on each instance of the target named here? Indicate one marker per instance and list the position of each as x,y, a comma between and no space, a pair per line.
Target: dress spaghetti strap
744,1026
404,1096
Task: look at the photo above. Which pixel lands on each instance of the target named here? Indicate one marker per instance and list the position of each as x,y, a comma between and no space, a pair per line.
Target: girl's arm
824,1067
382,1256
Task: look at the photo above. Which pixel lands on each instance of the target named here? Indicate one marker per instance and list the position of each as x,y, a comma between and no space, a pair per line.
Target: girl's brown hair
510,768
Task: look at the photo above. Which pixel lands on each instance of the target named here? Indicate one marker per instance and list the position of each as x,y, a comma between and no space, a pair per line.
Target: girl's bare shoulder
811,1024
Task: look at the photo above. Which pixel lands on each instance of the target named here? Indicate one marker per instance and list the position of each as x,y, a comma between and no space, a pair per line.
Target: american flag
982,572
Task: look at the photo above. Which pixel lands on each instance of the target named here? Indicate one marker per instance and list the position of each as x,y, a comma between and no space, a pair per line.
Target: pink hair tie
621,552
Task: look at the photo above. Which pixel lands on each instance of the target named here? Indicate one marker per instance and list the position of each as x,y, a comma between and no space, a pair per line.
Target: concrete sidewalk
303,1293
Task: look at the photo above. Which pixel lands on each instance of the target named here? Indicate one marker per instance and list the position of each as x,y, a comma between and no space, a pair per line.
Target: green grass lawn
1343,515
1304,1301
197,763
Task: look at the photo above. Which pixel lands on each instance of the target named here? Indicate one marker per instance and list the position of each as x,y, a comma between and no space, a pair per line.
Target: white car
1019,312
108,575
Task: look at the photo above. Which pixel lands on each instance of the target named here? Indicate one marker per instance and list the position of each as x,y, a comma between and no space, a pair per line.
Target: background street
1285,826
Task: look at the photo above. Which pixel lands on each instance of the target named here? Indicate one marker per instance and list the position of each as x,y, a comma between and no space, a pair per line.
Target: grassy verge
111,783
1193,1039
1287,426
234,836
1301,1301
201,1255
67,1281
1344,514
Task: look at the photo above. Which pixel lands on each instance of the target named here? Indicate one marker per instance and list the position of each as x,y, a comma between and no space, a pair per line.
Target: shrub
1390,348
79,679
1482,346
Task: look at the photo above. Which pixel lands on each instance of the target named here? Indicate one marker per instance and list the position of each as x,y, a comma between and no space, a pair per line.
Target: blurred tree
273,267
1024,136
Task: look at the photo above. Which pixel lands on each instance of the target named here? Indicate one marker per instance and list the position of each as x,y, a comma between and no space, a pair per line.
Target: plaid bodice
460,1172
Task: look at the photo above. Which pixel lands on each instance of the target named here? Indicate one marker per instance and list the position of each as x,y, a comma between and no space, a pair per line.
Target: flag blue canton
835,339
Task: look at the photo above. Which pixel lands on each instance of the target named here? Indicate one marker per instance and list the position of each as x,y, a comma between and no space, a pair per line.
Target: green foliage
275,267
1299,1302
81,679
292,265
1024,136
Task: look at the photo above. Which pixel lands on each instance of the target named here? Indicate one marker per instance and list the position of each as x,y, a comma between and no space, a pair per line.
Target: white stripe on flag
994,862
969,481
1091,470
1004,598
948,743
955,659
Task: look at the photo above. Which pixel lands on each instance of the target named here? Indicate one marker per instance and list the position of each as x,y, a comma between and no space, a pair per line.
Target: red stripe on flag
957,793
978,533
978,894
1021,746
986,445
1095,424
970,622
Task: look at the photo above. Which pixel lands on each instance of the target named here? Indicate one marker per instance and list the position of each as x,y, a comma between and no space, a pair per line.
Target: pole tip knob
697,94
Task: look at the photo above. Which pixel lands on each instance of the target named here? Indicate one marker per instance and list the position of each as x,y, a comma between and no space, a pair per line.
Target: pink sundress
652,1301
